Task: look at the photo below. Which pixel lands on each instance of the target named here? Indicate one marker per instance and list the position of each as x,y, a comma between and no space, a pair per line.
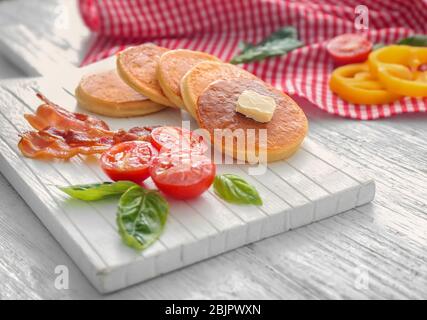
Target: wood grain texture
384,242
87,231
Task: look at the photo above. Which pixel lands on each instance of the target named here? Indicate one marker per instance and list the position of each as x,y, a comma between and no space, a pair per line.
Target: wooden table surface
378,251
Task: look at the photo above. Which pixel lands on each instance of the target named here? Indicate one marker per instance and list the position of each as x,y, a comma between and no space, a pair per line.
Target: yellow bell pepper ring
398,67
356,84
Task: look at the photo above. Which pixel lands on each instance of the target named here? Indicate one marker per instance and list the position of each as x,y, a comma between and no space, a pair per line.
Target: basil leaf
417,40
278,43
285,32
234,189
244,46
141,217
97,191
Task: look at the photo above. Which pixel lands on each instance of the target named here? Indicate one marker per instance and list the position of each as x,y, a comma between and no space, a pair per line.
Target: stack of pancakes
149,78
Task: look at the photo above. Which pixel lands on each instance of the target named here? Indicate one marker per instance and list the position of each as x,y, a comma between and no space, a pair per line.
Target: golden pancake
105,93
203,74
216,109
173,65
137,67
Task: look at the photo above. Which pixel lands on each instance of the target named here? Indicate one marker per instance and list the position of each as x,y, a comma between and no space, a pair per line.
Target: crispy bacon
43,145
63,134
80,138
135,133
52,115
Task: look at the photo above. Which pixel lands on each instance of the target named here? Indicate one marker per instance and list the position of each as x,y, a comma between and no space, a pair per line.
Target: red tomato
129,161
176,138
182,174
349,48
423,67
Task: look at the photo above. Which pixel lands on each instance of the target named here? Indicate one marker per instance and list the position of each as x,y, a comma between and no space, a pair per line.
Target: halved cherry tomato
129,161
176,138
182,174
349,48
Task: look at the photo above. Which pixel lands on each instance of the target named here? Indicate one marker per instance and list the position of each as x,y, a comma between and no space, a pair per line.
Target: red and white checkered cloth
217,26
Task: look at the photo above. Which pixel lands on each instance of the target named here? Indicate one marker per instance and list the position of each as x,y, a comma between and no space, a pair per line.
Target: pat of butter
256,106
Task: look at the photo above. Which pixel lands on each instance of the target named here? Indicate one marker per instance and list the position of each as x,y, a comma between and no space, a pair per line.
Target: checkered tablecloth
217,26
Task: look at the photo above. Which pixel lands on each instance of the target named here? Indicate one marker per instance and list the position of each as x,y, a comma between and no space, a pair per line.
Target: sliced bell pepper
356,84
399,68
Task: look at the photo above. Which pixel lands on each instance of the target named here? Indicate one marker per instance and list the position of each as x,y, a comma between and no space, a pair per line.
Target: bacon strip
43,145
63,134
52,115
64,144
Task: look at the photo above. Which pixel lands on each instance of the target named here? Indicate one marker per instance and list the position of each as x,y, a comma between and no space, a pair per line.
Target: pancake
203,74
172,67
105,93
137,67
216,109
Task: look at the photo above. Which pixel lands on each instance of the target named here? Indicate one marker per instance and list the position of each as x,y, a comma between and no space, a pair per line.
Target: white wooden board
312,185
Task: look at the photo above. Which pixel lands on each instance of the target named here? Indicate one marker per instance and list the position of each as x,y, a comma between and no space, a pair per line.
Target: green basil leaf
285,32
417,40
234,189
141,217
278,43
97,191
244,46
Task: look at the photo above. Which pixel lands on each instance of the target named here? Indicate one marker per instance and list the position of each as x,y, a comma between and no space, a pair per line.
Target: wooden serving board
312,185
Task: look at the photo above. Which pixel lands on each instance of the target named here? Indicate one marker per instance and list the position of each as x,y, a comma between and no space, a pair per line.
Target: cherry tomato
176,138
349,48
129,161
182,174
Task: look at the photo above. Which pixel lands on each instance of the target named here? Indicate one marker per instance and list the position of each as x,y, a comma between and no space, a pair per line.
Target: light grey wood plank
304,263
182,247
304,253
